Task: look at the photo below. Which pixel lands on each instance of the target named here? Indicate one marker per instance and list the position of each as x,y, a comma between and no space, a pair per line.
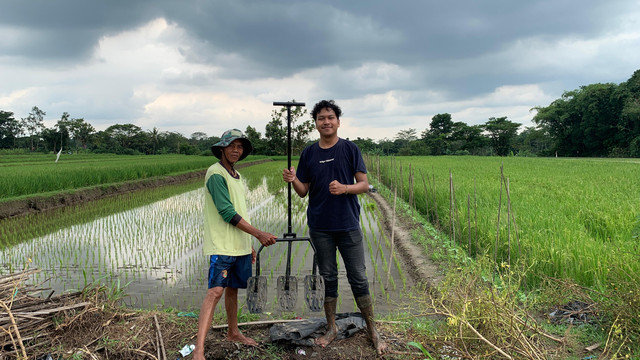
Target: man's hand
254,255
288,175
336,188
265,238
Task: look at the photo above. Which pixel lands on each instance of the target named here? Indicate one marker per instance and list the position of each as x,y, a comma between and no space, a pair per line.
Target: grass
29,175
473,289
567,218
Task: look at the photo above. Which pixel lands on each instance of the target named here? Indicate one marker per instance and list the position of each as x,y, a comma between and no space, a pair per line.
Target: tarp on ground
306,331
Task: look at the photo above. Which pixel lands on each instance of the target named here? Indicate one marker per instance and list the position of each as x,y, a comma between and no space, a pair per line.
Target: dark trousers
351,248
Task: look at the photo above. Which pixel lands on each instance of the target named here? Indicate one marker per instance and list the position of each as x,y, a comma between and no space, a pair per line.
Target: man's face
233,151
327,122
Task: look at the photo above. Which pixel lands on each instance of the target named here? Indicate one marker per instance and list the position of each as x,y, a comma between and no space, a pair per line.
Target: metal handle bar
289,238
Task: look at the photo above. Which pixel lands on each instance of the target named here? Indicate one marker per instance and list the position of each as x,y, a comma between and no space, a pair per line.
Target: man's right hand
288,175
266,239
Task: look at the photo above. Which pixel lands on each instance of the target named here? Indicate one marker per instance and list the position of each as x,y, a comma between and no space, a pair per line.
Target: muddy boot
366,308
330,304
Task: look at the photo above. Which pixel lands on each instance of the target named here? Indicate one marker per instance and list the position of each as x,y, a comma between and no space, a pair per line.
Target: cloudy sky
207,66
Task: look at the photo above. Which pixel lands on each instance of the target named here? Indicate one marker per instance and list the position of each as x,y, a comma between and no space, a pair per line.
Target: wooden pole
393,227
495,248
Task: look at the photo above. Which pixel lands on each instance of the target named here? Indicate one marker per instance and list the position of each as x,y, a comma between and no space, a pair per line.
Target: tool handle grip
288,237
287,103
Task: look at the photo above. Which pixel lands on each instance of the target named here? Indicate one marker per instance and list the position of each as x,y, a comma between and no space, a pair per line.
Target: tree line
597,120
75,134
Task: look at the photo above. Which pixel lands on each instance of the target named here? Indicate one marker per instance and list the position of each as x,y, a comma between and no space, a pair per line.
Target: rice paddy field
151,243
27,175
564,218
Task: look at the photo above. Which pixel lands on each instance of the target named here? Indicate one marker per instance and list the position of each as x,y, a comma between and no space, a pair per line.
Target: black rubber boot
366,308
330,305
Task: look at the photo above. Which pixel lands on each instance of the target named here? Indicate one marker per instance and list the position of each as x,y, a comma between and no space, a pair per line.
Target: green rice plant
42,177
569,218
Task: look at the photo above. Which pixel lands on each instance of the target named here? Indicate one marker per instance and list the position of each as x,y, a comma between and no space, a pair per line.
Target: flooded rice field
155,253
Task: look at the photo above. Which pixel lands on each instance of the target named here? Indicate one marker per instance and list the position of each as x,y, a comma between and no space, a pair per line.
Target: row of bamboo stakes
396,182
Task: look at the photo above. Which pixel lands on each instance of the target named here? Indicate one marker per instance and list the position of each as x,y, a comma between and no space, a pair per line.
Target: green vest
220,237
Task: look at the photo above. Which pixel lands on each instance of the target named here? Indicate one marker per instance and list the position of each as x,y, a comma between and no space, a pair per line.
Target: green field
27,175
570,218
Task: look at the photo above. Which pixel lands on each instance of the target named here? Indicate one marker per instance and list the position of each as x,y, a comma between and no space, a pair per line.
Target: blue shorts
229,271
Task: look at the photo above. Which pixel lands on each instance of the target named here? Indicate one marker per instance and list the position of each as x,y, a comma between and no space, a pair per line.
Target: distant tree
403,140
153,135
200,141
259,146
502,133
10,129
81,131
407,135
199,136
465,139
129,139
628,126
63,127
387,146
586,121
366,145
34,123
441,124
533,141
276,131
169,142
437,138
50,139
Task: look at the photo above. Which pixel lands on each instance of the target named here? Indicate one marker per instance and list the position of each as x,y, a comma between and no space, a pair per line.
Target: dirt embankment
43,203
420,267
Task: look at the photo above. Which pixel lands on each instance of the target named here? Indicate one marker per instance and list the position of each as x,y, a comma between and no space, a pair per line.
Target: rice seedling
152,241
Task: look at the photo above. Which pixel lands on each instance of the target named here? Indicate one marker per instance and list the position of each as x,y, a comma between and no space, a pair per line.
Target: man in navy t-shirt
332,172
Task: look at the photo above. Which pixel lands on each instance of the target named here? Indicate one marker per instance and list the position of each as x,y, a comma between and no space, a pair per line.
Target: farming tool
287,285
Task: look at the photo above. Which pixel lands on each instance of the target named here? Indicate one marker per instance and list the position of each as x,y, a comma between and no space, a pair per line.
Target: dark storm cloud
279,37
411,58
67,29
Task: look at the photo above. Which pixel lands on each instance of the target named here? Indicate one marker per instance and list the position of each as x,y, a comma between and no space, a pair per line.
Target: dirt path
421,268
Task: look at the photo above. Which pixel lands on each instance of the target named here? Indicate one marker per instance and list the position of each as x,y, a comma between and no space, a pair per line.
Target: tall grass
32,175
564,218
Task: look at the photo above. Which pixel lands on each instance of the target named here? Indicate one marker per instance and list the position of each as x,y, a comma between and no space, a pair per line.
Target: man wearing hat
227,236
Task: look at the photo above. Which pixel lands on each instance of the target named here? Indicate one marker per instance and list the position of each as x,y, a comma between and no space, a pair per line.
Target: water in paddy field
156,252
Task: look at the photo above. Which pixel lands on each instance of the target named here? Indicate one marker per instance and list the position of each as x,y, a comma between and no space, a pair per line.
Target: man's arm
217,187
302,189
265,238
361,185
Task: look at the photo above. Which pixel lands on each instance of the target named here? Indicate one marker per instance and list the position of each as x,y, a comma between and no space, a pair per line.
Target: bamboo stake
451,220
475,206
16,331
426,195
411,204
435,202
508,223
400,183
469,221
378,158
164,354
495,248
393,227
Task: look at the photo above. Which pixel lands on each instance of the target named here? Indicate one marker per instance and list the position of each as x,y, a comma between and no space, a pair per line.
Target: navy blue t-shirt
319,167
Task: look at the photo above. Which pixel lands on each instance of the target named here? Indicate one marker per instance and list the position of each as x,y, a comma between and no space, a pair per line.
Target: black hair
325,104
